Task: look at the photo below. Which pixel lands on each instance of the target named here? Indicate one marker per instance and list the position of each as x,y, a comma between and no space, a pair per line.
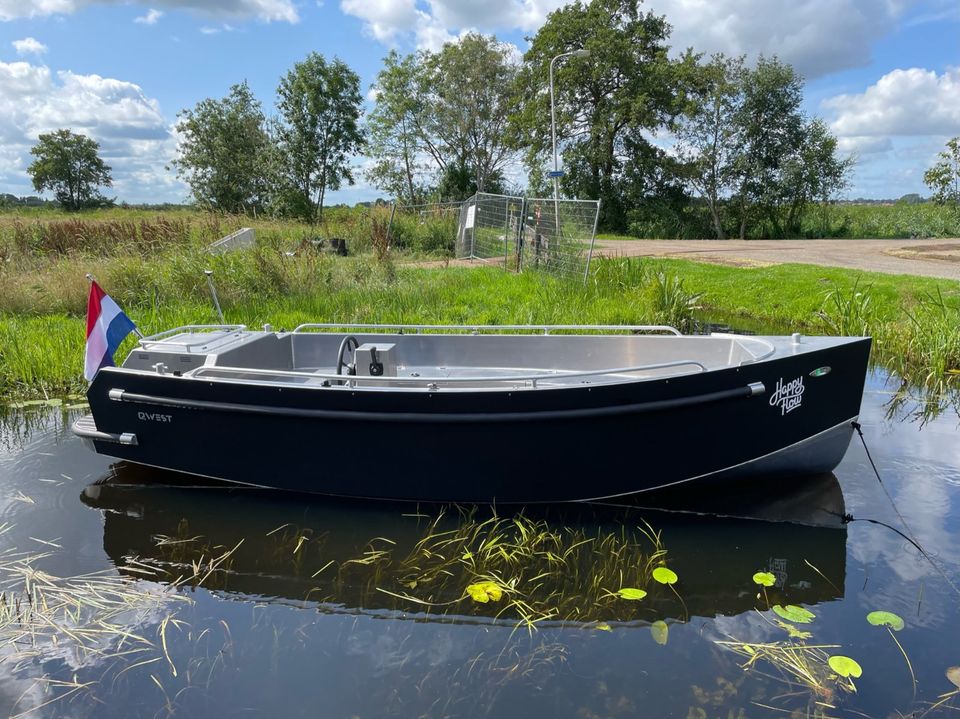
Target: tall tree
318,132
468,87
772,132
607,104
394,126
814,174
944,177
222,151
708,135
69,165
783,160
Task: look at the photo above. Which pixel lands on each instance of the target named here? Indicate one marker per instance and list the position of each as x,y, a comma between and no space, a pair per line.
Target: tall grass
868,221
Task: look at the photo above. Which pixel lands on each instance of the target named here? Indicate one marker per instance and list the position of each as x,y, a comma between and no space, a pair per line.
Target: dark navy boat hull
544,445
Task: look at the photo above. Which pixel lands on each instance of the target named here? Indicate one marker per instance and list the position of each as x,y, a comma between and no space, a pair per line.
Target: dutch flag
107,325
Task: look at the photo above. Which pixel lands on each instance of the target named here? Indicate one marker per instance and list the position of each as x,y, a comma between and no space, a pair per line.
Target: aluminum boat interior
450,358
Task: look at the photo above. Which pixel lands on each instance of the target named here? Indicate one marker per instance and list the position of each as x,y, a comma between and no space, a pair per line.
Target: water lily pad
660,631
764,579
953,674
845,666
793,613
665,576
886,619
484,592
631,593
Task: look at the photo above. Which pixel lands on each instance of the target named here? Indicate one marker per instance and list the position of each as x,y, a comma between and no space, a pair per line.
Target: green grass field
156,273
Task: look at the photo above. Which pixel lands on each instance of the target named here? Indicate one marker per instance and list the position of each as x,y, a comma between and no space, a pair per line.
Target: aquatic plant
525,570
806,665
893,623
846,668
660,632
849,313
764,580
671,302
92,618
793,613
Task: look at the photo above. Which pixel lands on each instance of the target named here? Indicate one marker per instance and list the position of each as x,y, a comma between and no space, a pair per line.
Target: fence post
593,239
393,211
520,231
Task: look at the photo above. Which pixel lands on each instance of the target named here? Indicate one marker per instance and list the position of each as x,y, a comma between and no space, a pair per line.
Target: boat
488,414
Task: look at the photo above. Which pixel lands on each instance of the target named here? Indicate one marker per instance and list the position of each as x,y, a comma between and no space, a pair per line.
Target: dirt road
929,258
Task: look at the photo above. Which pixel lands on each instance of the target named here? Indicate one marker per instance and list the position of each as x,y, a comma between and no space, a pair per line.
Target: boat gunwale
424,383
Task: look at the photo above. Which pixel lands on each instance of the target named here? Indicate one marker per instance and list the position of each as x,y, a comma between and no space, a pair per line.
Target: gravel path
928,258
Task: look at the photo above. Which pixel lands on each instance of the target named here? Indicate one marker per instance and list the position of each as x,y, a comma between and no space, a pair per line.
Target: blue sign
556,173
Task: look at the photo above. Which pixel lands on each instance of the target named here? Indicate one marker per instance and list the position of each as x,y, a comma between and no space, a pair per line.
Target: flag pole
136,330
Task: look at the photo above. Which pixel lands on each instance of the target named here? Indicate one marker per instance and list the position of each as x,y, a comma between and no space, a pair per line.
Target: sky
884,74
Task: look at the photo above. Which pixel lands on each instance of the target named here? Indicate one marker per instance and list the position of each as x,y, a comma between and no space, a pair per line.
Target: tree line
677,144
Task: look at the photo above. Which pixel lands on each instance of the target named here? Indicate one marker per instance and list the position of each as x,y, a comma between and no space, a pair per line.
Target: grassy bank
916,321
868,221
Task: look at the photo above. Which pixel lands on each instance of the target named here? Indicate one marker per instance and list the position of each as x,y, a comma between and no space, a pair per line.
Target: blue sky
884,73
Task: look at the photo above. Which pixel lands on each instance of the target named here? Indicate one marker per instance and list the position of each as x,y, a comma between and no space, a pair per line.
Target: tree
468,87
69,165
394,129
607,104
771,133
708,134
814,174
222,152
944,177
783,161
318,131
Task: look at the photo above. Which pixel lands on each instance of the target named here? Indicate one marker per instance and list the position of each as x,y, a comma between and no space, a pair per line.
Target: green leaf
631,593
660,631
484,592
953,674
764,579
886,619
845,666
793,613
665,576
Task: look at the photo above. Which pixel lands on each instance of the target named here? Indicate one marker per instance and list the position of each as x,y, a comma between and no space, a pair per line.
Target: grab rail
192,328
751,390
476,329
436,381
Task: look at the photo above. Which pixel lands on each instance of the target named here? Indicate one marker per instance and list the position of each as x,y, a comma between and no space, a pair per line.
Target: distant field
863,221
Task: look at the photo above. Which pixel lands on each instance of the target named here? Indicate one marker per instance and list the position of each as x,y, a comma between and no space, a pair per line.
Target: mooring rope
908,535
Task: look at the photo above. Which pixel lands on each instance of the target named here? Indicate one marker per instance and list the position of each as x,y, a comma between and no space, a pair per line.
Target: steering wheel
349,343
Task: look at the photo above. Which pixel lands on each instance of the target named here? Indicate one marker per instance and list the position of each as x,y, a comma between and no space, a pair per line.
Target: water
241,602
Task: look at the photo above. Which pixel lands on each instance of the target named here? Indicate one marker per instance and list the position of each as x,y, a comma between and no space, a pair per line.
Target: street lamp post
582,52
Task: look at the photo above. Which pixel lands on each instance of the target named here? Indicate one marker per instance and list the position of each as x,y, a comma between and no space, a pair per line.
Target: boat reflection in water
553,564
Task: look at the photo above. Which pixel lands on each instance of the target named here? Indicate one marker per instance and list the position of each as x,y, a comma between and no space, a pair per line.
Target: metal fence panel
518,233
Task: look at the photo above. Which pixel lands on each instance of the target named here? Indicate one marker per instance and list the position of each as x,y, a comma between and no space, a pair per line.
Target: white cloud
816,36
860,145
264,10
29,46
150,18
384,19
135,139
902,102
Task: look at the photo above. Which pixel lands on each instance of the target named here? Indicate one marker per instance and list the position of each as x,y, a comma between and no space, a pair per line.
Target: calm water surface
212,601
